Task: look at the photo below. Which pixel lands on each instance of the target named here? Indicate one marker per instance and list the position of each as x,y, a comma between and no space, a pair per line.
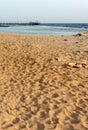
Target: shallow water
47,29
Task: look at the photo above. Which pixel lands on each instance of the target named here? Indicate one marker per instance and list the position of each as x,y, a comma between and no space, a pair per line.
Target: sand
43,82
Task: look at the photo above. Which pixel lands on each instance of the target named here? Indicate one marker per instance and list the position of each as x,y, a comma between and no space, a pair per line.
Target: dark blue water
47,29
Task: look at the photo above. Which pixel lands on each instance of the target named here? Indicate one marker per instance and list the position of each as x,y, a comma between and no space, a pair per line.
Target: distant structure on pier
34,23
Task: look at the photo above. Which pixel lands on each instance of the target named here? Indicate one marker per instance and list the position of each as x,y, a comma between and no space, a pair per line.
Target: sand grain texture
43,82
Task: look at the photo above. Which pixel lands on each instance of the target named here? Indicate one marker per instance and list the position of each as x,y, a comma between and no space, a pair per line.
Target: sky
44,11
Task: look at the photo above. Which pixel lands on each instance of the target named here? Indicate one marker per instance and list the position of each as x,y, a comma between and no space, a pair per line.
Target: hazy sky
44,11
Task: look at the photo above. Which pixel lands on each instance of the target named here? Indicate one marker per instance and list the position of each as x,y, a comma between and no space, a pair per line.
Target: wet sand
43,82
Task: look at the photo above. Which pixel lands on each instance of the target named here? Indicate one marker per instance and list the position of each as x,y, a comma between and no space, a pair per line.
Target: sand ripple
40,89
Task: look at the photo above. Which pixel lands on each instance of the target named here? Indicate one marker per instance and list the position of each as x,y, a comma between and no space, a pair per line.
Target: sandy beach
43,82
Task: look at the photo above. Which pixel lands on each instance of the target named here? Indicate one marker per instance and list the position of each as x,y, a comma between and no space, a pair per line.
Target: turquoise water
44,30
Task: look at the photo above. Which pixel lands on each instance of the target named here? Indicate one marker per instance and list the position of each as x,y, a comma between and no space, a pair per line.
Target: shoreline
38,34
43,82
78,34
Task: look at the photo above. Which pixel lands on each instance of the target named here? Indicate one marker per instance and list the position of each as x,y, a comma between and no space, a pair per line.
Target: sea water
46,29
